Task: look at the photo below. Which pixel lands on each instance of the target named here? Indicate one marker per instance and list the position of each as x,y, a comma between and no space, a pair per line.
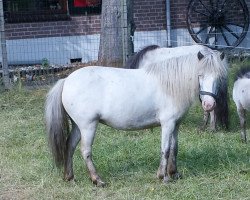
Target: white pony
241,97
157,94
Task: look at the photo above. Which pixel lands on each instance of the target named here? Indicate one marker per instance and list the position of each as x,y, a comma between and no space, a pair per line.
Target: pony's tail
222,111
56,123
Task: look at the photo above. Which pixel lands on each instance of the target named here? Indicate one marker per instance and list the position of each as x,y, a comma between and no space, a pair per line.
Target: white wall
59,50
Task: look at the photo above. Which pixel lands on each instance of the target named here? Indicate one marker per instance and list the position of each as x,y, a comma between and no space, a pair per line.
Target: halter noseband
209,93
202,92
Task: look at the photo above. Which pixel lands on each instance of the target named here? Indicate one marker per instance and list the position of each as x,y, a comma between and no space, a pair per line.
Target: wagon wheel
218,23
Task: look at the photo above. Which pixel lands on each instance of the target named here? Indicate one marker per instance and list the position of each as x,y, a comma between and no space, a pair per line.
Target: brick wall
149,15
178,10
80,25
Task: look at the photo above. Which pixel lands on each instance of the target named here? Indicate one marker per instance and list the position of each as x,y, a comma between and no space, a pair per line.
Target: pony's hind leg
87,138
72,142
242,115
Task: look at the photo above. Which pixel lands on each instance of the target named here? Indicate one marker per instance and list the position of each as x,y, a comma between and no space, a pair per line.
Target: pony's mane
134,61
244,72
179,75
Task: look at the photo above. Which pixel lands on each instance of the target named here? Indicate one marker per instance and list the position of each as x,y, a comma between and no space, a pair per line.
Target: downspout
168,22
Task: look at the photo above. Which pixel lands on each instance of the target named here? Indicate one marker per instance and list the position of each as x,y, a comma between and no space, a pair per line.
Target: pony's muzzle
208,103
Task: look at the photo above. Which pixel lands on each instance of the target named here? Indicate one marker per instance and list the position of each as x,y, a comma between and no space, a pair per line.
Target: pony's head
183,74
212,72
208,92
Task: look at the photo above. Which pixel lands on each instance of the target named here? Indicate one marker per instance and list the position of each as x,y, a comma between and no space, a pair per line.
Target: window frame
65,13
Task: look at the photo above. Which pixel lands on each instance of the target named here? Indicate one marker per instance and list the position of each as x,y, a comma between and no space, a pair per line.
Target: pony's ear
200,55
222,55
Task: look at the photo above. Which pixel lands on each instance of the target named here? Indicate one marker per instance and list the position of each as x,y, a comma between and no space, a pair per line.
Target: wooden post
124,31
131,27
5,69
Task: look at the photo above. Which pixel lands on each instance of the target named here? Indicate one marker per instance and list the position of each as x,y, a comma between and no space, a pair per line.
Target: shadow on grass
213,159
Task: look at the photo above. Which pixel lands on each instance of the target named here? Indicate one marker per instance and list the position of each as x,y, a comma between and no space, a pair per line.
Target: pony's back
244,72
155,54
241,89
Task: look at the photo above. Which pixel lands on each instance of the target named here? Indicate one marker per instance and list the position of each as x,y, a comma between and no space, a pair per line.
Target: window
35,10
47,10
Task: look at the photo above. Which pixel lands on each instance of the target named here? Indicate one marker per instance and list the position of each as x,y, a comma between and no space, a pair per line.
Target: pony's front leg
72,142
87,138
212,120
205,120
167,130
172,159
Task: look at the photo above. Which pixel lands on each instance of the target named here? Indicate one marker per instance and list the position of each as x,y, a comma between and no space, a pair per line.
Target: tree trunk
115,40
110,50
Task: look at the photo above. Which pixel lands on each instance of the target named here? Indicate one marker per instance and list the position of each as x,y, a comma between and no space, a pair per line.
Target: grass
213,165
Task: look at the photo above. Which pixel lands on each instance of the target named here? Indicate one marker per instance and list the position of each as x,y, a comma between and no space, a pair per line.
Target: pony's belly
131,123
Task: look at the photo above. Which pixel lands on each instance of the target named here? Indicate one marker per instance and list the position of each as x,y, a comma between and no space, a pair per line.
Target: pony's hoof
243,140
212,130
166,180
160,175
69,177
173,177
177,176
201,129
99,183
